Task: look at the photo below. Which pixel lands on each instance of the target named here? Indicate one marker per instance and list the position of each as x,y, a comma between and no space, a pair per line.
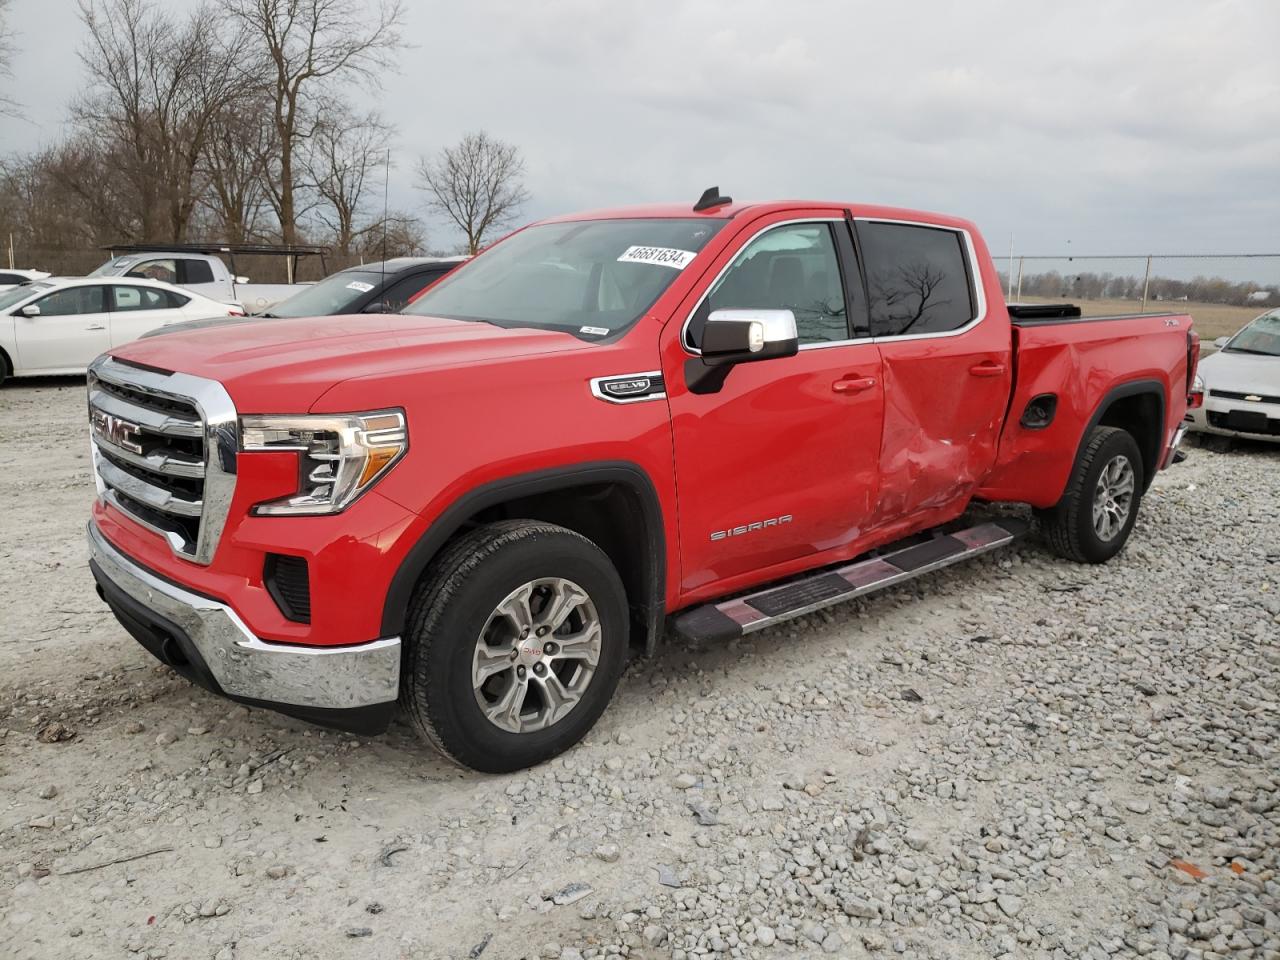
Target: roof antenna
711,198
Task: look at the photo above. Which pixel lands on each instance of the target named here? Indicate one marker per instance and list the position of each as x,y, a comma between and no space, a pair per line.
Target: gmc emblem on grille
118,431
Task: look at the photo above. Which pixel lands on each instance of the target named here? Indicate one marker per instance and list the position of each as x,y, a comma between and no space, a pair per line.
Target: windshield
331,296
113,267
590,278
1261,336
18,294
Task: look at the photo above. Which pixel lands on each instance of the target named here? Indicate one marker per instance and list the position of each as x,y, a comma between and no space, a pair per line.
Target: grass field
1211,319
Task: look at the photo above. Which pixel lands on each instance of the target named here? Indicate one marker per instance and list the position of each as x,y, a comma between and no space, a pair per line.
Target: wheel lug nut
524,634
542,631
515,654
520,672
549,648
539,669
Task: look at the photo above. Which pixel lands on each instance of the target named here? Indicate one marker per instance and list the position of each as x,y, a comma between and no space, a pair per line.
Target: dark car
383,287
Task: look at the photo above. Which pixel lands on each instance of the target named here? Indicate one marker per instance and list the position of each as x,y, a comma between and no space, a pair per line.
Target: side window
196,271
127,299
792,267
72,301
917,279
11,278
399,293
166,270
173,300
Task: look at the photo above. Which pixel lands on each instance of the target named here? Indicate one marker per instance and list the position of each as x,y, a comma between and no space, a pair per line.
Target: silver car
1241,384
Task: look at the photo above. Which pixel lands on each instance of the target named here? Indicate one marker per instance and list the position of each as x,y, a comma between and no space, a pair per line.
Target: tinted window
401,292
197,271
9,297
7,278
590,278
166,270
144,298
916,279
794,268
73,300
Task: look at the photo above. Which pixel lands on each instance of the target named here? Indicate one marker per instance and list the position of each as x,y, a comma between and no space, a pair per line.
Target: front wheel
517,636
1095,516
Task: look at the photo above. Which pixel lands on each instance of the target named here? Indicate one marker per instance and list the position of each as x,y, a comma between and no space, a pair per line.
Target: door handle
987,368
96,326
853,384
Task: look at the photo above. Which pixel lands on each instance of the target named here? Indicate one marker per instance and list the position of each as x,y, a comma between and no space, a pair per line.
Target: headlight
339,456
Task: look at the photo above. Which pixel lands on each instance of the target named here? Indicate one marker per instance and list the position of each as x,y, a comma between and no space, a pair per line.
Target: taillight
233,312
1195,384
1195,396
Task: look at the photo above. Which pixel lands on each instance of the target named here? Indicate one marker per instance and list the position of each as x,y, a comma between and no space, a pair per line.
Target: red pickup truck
730,413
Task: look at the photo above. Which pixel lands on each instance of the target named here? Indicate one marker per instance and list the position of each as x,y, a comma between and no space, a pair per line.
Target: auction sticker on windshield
360,285
662,256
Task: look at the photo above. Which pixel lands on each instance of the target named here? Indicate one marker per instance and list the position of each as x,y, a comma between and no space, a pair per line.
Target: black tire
452,605
1068,527
5,369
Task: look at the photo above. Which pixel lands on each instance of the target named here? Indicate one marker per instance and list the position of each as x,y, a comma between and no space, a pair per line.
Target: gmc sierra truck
727,414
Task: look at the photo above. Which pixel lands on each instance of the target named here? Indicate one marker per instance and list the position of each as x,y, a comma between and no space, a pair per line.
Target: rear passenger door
947,366
136,310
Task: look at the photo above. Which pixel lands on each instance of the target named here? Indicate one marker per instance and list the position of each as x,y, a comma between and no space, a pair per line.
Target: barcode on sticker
358,285
595,331
661,256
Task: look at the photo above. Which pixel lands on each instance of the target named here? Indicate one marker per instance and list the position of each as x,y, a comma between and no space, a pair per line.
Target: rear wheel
517,636
1093,520
5,369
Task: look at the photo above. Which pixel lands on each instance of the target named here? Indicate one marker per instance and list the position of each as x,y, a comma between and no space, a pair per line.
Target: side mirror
378,306
30,310
1221,342
731,337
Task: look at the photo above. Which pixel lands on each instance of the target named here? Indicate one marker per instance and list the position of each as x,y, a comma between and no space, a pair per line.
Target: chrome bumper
325,678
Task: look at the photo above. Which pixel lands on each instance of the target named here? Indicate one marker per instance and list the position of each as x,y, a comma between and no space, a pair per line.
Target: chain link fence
1221,292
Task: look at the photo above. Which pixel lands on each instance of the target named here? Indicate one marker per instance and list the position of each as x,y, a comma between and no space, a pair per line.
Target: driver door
71,329
778,469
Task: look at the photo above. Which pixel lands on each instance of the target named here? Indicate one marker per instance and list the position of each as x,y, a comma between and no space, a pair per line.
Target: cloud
1119,127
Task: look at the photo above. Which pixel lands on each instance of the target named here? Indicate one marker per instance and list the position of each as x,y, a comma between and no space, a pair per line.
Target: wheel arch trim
624,473
1123,391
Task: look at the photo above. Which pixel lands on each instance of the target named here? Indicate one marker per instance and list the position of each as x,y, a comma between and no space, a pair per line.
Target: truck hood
1241,372
284,366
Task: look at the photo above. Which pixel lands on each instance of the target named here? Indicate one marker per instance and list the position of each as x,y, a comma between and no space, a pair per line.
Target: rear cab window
918,278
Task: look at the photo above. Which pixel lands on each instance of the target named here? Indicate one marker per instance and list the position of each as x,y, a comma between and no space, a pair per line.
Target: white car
1241,384
12,278
58,326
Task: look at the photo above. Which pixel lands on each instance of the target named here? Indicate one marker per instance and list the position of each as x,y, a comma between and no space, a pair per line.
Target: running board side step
729,619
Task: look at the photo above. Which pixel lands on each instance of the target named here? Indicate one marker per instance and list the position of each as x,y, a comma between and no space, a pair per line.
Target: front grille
164,452
1251,397
1261,426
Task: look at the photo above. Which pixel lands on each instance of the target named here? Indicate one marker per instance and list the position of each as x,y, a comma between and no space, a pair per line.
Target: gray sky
1121,126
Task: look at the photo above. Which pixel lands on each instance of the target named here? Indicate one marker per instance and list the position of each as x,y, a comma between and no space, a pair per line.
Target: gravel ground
1019,757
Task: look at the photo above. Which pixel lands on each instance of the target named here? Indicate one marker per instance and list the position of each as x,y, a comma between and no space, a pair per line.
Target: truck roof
729,210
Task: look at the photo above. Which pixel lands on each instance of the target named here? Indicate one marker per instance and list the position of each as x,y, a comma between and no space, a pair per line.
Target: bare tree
903,298
301,46
236,193
343,159
156,85
7,106
477,184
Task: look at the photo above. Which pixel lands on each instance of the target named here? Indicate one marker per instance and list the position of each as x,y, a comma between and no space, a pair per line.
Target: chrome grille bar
161,423
163,461
145,493
164,452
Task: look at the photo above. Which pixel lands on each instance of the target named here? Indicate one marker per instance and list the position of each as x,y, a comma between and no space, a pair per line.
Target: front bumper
1199,420
349,687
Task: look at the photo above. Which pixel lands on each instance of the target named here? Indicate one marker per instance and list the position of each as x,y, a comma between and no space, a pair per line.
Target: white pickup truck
203,270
